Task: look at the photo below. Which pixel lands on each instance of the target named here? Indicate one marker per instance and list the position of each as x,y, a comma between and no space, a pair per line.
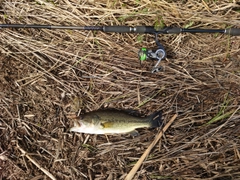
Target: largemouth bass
114,121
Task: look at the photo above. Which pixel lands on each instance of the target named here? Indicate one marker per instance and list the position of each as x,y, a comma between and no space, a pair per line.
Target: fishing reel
158,54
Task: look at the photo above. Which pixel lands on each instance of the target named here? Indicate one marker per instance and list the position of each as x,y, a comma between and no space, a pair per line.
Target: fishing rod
158,53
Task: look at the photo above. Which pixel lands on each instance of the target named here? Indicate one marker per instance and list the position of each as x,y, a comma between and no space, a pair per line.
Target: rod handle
172,30
233,31
117,29
127,29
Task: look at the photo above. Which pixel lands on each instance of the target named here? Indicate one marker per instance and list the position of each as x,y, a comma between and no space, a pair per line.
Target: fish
108,121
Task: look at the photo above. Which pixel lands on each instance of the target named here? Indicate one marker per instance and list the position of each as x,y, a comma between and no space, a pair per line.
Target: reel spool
157,54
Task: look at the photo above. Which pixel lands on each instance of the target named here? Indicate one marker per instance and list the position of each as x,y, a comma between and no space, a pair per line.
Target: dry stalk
147,151
36,164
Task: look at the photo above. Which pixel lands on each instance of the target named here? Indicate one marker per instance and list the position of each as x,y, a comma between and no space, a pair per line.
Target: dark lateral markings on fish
110,121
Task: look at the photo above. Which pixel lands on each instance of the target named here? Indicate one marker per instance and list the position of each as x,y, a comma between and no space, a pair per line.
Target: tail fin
156,119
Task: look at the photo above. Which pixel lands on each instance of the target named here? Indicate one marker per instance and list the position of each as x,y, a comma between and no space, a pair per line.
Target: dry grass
46,75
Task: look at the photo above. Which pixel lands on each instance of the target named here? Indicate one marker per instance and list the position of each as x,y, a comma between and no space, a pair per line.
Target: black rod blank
37,26
128,29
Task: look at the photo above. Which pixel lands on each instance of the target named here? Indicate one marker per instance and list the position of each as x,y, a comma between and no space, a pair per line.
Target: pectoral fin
107,124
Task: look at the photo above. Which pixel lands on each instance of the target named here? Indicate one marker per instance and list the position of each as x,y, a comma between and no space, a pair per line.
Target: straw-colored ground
48,75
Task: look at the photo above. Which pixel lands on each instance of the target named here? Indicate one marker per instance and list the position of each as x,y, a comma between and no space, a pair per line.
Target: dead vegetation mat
47,75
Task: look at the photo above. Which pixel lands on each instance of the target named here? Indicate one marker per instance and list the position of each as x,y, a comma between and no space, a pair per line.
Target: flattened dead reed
47,75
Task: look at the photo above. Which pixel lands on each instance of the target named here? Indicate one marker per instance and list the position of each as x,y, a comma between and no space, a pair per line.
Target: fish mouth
76,126
75,119
72,116
74,129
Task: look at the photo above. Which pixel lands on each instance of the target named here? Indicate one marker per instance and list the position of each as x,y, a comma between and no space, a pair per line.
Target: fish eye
95,116
94,119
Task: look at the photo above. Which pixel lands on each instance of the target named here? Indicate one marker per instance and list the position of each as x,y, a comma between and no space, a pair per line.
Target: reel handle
157,54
